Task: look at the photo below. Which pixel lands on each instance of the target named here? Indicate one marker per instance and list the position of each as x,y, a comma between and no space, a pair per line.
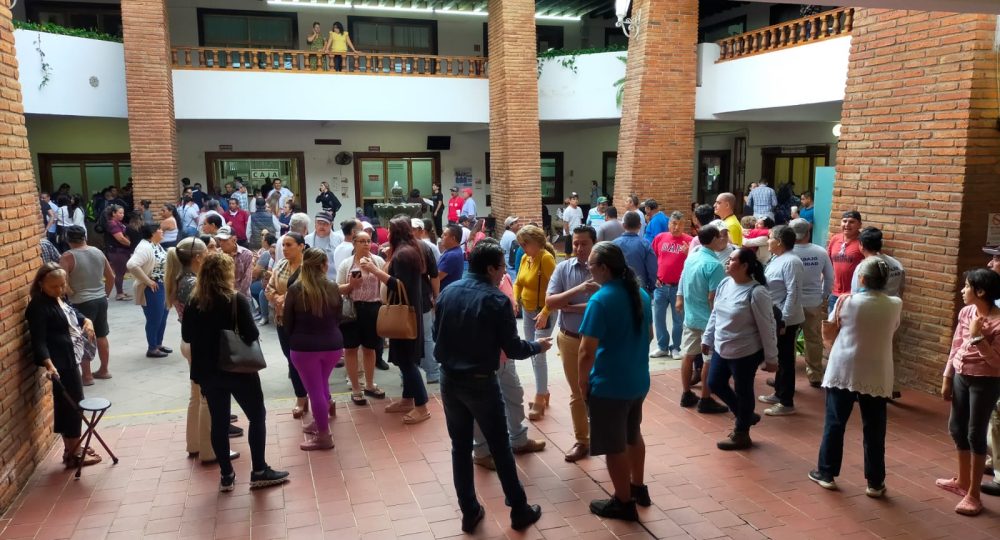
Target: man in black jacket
473,323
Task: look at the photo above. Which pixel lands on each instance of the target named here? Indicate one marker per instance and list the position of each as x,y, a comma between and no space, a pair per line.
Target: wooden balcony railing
825,25
275,60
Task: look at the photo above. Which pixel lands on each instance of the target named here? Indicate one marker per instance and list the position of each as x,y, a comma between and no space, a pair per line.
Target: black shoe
896,394
614,509
382,364
640,494
526,517
735,441
756,419
710,406
769,381
469,523
228,482
167,350
824,481
267,477
990,488
233,418
696,377
816,384
156,353
988,470
688,399
235,431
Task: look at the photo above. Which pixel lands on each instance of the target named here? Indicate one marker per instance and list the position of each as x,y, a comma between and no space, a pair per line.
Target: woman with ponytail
614,377
532,281
739,336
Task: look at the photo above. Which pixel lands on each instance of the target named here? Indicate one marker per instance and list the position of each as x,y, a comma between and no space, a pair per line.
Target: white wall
589,93
67,135
583,150
75,65
763,81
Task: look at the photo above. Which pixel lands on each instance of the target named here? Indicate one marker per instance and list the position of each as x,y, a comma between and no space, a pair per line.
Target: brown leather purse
397,320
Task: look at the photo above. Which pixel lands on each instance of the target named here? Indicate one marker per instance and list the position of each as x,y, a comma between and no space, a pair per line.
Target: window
376,173
615,37
722,30
546,37
552,176
86,174
247,29
258,169
387,35
105,18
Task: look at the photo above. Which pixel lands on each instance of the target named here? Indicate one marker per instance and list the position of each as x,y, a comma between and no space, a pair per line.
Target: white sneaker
676,355
770,399
659,353
875,493
779,410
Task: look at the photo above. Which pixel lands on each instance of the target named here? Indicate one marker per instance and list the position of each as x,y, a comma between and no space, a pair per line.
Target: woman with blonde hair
536,268
215,306
312,322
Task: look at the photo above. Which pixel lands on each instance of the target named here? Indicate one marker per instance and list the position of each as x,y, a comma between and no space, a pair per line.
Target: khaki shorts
691,341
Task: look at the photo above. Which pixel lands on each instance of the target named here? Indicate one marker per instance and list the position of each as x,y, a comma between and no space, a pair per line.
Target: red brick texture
919,157
149,86
515,167
656,141
25,406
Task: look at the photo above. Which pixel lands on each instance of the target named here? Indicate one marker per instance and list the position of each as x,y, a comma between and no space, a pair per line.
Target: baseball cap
509,221
467,191
366,226
574,194
801,228
224,233
602,200
991,250
417,223
453,189
324,216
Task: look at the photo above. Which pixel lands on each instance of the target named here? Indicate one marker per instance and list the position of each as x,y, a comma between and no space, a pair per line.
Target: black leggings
245,389
973,400
66,415
293,374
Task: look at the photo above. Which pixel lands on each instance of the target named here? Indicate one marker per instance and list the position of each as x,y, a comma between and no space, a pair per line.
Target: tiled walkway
386,480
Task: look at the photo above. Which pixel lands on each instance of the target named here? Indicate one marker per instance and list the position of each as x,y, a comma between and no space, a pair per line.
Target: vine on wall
45,67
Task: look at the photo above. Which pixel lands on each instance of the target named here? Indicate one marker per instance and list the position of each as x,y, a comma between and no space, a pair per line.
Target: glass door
257,170
713,174
378,173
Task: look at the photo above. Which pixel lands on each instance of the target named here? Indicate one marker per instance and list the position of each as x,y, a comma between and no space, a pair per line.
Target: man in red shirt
671,249
237,218
845,252
454,205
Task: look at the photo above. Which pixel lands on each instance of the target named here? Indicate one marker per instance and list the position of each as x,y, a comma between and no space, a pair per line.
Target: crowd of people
444,299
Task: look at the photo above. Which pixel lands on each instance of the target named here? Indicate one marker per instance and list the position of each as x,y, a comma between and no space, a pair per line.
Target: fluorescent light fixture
426,11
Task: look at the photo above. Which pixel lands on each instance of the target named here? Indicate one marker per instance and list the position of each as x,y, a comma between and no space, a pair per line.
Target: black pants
973,400
784,379
293,374
65,415
245,389
839,404
738,397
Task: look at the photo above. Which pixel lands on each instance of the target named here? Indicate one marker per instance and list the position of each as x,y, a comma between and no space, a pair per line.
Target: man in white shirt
510,225
817,283
419,233
322,239
572,215
871,246
211,208
284,193
345,249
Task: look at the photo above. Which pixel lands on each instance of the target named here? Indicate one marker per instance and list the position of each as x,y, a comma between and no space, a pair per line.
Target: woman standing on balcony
316,43
338,43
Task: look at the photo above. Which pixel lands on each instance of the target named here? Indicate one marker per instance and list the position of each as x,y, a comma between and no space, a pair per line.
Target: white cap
417,223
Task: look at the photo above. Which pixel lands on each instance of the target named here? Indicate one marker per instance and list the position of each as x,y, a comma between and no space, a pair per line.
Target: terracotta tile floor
387,480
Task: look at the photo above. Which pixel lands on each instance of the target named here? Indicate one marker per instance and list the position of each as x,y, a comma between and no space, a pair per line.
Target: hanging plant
45,67
567,59
620,86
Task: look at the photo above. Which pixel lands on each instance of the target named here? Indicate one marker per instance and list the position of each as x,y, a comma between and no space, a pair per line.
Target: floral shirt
159,264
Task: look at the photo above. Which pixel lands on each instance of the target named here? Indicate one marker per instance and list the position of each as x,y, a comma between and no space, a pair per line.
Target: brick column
656,142
148,83
515,164
919,156
25,405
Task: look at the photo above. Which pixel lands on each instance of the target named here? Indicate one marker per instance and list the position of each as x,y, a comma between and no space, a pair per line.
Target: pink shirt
846,256
671,252
981,359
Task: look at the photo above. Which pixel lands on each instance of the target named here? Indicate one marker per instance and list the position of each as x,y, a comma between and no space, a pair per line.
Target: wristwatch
975,340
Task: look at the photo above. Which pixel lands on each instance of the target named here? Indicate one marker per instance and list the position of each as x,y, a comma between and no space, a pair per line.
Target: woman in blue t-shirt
614,376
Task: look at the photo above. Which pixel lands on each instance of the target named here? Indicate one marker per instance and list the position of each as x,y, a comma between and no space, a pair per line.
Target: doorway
376,173
259,169
797,165
713,174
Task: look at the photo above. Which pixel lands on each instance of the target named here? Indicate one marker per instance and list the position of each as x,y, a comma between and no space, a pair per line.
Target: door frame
770,154
604,173
725,157
300,166
358,156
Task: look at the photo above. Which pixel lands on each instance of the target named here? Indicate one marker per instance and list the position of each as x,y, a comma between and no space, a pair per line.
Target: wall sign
993,230
374,148
264,173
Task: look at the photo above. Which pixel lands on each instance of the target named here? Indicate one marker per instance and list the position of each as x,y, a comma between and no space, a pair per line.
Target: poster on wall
463,177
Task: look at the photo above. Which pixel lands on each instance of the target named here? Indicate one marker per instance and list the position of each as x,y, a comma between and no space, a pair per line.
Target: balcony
803,31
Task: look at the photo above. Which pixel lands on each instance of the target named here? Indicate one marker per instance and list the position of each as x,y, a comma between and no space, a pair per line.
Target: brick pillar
656,142
148,83
919,156
515,164
25,405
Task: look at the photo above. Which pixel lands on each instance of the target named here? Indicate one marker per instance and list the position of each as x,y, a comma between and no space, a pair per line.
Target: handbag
235,354
397,321
831,329
347,311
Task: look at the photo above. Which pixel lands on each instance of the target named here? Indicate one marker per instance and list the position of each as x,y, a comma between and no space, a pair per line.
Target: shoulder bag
832,328
235,354
397,320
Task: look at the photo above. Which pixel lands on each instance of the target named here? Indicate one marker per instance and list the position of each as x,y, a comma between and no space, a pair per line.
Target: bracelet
976,340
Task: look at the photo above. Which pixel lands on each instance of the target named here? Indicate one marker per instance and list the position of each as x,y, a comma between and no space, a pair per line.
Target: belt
573,335
469,374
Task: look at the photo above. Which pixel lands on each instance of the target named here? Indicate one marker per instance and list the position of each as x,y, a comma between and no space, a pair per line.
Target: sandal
300,410
123,298
89,458
950,485
414,417
969,507
399,407
99,375
359,399
375,392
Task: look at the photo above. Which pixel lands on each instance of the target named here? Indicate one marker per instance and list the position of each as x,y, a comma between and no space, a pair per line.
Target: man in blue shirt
452,260
701,277
762,200
469,206
657,220
474,321
638,253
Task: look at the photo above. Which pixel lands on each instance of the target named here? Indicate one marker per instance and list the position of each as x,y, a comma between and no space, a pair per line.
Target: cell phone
356,273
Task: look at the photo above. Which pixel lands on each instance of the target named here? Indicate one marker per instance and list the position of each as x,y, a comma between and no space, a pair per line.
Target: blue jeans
663,298
839,404
831,303
539,362
257,293
428,363
155,311
513,400
738,397
470,400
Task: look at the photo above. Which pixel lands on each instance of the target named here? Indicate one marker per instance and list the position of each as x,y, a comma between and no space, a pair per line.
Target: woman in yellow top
338,42
537,266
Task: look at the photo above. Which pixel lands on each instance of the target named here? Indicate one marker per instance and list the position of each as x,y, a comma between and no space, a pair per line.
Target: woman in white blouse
860,370
362,288
148,264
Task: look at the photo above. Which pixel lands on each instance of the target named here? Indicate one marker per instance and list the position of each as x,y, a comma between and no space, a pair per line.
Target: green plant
51,28
567,59
620,85
45,67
